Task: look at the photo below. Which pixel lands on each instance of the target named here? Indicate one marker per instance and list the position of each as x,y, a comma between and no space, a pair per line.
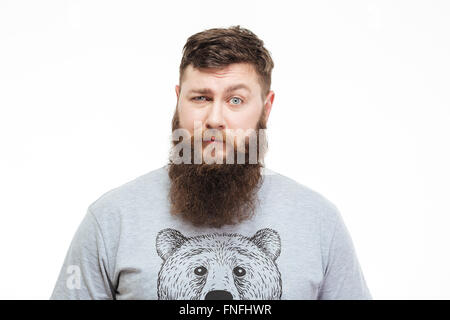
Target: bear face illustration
219,266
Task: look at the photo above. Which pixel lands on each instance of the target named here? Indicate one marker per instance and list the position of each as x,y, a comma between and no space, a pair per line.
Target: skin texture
217,194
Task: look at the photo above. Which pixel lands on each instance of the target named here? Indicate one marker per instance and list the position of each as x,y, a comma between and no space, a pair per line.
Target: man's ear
167,241
177,91
268,105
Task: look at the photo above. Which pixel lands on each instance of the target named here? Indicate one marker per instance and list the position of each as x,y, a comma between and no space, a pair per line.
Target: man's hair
220,47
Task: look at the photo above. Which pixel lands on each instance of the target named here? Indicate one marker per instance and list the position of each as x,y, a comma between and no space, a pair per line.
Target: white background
361,115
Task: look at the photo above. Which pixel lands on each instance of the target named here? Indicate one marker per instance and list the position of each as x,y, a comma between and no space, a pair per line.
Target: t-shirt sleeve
343,278
85,273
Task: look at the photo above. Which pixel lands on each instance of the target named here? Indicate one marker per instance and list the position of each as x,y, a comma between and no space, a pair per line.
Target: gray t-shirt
129,246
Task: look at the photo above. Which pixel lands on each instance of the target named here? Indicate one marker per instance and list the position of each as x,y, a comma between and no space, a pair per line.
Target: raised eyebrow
228,90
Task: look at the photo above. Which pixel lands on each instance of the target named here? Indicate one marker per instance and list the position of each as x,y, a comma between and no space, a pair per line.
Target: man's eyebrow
227,90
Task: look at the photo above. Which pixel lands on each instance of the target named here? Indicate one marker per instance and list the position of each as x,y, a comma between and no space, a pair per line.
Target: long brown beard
215,194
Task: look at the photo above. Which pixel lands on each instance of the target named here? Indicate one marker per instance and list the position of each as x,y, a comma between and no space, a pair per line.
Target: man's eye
236,98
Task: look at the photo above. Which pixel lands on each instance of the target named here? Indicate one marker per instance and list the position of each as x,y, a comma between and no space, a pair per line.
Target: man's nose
215,119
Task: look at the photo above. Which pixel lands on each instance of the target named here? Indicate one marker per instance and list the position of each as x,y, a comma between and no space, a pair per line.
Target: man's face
221,98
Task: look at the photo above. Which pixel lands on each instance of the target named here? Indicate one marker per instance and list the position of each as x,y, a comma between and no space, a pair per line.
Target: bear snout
219,295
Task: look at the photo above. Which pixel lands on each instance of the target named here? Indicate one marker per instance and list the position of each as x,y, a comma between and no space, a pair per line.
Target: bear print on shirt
219,266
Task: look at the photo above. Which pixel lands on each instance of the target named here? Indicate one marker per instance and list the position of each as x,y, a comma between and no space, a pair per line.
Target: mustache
214,135
237,148
228,136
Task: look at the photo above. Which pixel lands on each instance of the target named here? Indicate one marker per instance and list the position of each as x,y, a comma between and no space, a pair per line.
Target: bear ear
268,240
167,241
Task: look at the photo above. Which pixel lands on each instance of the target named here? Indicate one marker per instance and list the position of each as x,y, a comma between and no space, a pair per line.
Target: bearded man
214,223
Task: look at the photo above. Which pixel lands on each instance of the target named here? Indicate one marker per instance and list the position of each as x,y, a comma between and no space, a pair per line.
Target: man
214,223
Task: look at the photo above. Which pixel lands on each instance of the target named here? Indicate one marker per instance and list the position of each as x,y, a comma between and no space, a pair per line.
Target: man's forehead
230,78
228,89
243,67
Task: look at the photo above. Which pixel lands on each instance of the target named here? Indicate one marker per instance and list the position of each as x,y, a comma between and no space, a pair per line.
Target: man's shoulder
299,194
143,188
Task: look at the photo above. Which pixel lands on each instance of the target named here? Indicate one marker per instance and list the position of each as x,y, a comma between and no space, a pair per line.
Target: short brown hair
219,47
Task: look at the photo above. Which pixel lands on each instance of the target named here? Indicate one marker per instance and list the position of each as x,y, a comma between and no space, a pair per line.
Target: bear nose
219,295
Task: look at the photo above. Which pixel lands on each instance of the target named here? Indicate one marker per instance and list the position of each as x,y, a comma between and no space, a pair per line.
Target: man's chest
264,265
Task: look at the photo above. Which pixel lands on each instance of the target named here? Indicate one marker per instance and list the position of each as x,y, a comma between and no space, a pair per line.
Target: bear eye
200,271
240,272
